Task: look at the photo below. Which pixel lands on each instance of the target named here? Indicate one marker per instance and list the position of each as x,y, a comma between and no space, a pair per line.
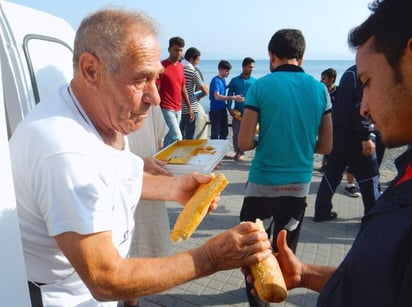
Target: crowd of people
181,87
79,179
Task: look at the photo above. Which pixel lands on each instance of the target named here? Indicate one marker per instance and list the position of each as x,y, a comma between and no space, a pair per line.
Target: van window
49,61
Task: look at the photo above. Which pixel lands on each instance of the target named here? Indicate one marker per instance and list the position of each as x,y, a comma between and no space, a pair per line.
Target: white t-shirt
67,179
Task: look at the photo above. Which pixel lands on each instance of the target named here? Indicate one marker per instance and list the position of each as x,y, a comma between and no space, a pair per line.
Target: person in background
148,140
239,85
172,89
288,104
328,77
151,237
377,270
353,148
77,184
201,131
218,98
193,81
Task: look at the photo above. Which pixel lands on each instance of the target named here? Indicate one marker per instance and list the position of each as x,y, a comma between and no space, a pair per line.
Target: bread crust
268,278
196,208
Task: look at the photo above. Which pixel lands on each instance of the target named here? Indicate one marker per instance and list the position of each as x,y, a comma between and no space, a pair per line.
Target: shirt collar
187,63
289,68
243,78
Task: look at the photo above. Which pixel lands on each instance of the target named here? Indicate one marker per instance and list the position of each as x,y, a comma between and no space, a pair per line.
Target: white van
35,58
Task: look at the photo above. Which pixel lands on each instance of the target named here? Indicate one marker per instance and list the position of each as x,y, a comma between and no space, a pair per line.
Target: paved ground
321,243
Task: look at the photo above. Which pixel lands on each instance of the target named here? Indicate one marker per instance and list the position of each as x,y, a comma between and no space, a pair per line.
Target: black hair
391,26
223,64
330,73
287,44
192,53
176,41
247,61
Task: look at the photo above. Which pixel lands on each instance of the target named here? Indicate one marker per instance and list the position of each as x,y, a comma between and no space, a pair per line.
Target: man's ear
89,66
405,63
408,49
271,57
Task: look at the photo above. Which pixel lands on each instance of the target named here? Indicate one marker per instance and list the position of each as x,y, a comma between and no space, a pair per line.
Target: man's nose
364,110
152,93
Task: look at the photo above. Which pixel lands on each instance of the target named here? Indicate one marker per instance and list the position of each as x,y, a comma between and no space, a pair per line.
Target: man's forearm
175,270
137,277
157,187
314,277
249,144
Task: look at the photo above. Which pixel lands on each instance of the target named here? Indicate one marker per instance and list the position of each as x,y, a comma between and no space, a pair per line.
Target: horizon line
240,59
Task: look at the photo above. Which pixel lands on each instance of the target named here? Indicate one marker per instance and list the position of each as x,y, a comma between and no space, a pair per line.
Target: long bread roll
196,208
268,279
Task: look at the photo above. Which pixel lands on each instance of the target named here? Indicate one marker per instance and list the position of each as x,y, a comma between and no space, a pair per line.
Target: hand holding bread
268,279
196,208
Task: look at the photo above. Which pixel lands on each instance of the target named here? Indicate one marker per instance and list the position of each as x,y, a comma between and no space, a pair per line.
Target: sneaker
352,191
331,216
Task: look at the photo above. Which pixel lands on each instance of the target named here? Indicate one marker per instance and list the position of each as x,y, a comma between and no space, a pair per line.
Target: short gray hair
106,34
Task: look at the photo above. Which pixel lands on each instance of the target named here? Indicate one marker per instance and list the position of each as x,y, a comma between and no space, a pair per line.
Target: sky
234,29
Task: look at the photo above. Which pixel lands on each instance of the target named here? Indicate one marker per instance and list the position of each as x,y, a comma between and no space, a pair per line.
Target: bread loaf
196,208
268,279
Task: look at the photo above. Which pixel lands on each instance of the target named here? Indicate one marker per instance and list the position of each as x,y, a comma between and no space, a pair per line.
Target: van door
35,59
36,54
13,284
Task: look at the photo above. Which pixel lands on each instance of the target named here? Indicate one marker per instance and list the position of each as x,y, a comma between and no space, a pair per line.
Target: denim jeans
187,127
172,119
220,126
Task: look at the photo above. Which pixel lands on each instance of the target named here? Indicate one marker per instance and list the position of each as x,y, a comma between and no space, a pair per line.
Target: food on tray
180,152
196,208
205,150
268,279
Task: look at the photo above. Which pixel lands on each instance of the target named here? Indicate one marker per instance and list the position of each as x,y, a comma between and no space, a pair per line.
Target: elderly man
77,184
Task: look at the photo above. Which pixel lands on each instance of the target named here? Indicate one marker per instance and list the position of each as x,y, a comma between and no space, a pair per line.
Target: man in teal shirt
240,85
293,112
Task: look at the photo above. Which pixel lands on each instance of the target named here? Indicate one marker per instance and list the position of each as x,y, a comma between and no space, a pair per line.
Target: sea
312,67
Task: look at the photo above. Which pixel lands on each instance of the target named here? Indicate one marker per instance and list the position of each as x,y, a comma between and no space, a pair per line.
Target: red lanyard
406,176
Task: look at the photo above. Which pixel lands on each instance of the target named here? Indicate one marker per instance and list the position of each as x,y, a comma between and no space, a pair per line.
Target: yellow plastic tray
180,151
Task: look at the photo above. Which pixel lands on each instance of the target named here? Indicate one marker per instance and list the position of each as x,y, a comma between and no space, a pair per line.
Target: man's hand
292,268
368,147
238,98
155,166
290,265
242,245
186,186
175,188
192,115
